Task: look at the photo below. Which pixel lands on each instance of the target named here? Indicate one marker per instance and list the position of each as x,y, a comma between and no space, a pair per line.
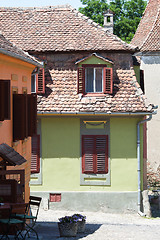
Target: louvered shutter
108,80
87,154
2,103
40,80
32,114
35,157
4,100
101,154
94,154
81,80
7,99
20,123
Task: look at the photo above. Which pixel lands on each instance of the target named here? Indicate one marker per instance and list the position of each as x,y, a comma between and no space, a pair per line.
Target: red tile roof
61,95
147,36
6,47
60,28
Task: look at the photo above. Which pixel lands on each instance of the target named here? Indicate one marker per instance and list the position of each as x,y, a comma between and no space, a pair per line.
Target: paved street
102,226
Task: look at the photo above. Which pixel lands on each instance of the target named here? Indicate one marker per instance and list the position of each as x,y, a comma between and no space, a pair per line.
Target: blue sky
37,3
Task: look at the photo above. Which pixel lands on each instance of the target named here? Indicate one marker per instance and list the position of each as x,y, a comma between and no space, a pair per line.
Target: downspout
139,160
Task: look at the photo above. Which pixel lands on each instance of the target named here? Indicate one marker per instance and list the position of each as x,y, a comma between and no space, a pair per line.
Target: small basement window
55,197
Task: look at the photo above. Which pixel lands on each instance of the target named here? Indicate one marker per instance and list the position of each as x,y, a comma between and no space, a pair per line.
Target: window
33,83
4,100
94,154
95,79
35,157
38,81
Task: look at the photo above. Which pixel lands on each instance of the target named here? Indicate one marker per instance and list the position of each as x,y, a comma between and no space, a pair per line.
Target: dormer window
95,78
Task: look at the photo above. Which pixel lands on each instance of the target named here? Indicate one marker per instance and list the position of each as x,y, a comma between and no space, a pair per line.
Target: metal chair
31,215
10,225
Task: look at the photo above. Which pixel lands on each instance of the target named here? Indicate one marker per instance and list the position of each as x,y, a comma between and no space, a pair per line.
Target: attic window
95,78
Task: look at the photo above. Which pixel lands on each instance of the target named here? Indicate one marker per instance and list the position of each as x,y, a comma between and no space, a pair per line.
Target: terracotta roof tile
56,29
6,47
63,97
147,36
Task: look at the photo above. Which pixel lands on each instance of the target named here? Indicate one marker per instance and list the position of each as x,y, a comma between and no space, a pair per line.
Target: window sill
95,179
94,95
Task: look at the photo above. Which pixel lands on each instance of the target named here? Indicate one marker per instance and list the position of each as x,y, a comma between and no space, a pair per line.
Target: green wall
95,60
61,155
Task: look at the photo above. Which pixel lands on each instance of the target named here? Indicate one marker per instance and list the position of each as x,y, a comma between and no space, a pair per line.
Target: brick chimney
108,20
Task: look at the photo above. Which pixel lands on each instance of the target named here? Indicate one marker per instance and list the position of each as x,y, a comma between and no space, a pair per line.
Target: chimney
108,20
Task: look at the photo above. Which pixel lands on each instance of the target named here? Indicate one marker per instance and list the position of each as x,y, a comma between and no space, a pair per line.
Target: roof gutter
11,54
94,113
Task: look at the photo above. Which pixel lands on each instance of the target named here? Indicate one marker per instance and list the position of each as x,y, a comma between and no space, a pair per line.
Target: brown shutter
20,130
87,154
7,99
35,158
4,100
32,114
81,80
102,154
108,80
2,103
40,81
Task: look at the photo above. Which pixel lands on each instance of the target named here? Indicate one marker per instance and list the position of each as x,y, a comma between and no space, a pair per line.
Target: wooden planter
67,229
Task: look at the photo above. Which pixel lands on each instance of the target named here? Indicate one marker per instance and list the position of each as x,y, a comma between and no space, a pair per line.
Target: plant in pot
81,222
67,226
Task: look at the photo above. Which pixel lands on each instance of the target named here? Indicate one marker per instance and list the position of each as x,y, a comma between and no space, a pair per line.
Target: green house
89,149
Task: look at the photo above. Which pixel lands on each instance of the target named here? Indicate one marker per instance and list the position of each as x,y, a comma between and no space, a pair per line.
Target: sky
38,3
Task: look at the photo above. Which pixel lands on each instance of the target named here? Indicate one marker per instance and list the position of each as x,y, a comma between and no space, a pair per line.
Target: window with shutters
95,79
38,82
95,154
35,157
4,100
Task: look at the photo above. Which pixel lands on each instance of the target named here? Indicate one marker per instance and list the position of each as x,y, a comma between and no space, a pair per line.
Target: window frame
107,79
95,164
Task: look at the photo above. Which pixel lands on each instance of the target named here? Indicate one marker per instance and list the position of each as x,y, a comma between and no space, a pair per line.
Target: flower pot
81,226
67,229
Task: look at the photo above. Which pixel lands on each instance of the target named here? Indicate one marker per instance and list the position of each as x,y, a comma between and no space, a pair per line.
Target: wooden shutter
40,80
81,80
108,80
35,157
2,103
94,154
101,154
20,123
87,154
7,99
4,100
32,114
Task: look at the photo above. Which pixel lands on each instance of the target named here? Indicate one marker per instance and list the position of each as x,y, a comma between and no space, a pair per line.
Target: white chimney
108,20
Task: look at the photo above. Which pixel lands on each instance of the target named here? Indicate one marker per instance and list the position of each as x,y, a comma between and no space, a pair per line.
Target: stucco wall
61,155
151,67
19,74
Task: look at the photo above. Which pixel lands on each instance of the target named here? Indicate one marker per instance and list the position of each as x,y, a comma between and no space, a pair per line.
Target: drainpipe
139,161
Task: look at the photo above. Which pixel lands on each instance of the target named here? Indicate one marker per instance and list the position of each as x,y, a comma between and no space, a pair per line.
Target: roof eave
25,59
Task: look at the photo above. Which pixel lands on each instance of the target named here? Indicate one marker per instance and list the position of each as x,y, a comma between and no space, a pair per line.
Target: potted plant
67,226
81,222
